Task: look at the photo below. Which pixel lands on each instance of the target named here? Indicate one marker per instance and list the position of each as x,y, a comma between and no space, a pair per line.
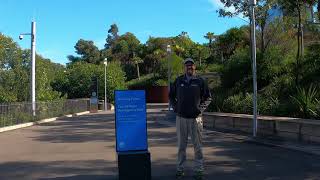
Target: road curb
287,147
311,150
24,125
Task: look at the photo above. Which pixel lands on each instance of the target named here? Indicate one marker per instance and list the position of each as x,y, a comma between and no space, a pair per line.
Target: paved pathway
83,148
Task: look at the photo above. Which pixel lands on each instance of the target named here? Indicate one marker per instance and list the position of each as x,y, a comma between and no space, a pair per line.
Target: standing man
189,96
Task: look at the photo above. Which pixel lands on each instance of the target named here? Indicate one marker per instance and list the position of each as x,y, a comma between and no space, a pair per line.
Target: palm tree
210,36
199,49
183,34
179,50
137,60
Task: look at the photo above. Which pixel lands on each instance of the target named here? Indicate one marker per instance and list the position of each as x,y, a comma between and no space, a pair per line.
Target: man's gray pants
192,126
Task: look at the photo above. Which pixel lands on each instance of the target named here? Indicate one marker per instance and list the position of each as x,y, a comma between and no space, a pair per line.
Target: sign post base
134,165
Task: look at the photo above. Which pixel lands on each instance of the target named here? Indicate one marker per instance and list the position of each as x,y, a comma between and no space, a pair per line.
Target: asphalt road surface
83,148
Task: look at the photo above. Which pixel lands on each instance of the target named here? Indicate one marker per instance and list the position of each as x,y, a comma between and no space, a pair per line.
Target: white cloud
217,4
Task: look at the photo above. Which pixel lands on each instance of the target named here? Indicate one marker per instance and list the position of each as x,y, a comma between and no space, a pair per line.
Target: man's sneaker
179,174
198,175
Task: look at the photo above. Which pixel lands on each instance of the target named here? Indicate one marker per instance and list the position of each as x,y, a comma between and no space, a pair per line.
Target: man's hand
204,105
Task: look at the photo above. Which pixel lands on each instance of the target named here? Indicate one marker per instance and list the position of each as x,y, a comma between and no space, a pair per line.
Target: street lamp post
33,64
169,71
105,84
254,65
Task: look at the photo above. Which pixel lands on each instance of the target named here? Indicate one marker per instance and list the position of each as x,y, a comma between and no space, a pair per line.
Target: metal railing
21,112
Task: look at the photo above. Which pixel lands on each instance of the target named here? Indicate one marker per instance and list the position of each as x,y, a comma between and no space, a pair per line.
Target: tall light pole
169,71
33,64
105,84
254,65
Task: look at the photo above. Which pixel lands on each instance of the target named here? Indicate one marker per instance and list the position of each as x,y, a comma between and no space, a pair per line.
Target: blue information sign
131,124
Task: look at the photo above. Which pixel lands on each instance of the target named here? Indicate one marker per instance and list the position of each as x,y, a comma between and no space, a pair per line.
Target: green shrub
201,69
268,105
306,102
176,64
238,104
21,117
147,81
160,82
76,82
7,96
116,78
214,68
130,71
218,98
271,65
318,108
144,81
311,65
237,71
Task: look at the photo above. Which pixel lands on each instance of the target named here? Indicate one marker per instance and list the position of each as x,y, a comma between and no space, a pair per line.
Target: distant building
277,12
274,13
311,14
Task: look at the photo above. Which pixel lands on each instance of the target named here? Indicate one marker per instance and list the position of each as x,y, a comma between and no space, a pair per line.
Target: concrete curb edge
287,147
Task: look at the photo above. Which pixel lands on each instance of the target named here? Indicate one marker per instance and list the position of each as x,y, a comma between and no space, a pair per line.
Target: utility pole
169,71
254,65
105,84
33,71
33,65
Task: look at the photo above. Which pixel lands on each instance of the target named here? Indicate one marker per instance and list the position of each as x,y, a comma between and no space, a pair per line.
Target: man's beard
190,72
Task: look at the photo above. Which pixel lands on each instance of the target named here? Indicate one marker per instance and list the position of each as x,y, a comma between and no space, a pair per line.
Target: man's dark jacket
189,98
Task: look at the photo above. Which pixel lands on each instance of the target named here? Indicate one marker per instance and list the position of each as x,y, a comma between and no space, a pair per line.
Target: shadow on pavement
225,157
88,128
90,170
83,177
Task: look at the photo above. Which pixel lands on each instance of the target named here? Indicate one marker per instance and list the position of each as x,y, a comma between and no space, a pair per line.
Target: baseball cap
188,60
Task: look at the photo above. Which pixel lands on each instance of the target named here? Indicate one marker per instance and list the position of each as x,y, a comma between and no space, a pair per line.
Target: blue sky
61,23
